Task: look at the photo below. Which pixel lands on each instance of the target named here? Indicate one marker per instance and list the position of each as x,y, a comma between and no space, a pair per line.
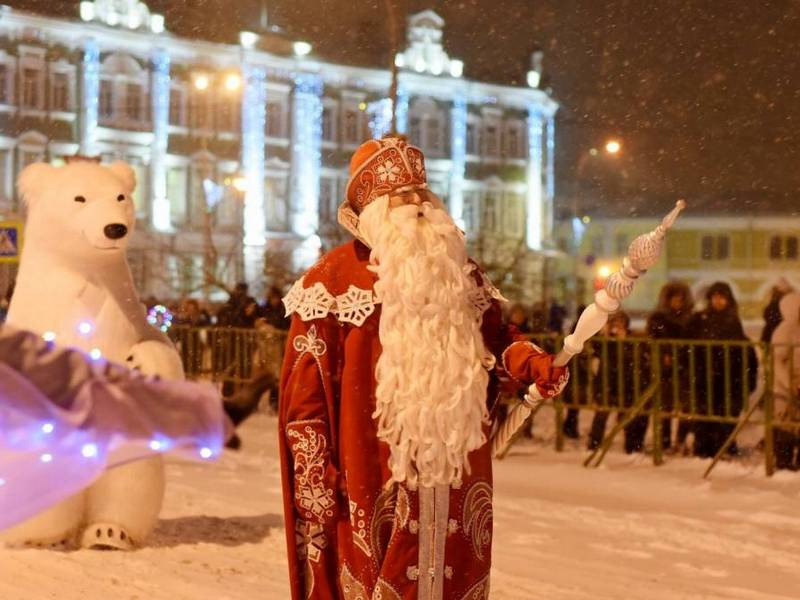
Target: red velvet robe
350,535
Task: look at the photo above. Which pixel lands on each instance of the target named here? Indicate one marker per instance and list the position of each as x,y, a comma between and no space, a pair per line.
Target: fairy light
206,452
160,317
46,458
2,482
49,336
95,354
89,451
156,445
48,428
85,328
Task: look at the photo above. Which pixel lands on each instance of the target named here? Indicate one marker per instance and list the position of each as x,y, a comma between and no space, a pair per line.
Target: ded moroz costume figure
387,396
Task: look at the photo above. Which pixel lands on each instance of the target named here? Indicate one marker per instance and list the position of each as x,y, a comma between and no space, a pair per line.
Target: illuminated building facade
194,118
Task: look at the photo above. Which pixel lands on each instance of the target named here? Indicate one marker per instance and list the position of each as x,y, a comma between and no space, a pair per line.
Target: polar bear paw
106,536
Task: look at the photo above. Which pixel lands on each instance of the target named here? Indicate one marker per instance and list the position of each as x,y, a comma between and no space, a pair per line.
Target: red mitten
528,364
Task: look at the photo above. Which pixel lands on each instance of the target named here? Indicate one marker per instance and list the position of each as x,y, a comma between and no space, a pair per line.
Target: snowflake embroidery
309,448
310,343
355,306
310,540
387,171
316,303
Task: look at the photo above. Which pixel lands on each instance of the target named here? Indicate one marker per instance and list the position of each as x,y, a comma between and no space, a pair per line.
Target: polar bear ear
33,179
125,174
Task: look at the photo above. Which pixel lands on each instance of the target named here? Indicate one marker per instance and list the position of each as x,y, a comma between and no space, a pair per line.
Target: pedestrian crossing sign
10,241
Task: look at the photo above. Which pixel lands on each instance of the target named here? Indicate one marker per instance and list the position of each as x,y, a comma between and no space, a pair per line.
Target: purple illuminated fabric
65,418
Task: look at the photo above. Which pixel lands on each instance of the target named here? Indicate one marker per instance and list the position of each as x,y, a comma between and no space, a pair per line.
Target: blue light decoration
380,117
158,169
254,107
306,154
458,116
160,317
206,452
402,110
534,195
89,451
90,92
48,428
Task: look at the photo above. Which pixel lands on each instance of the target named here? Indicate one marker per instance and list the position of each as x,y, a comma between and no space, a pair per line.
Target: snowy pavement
562,532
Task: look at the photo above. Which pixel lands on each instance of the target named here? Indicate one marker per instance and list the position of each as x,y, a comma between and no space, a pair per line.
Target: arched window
276,195
426,126
124,93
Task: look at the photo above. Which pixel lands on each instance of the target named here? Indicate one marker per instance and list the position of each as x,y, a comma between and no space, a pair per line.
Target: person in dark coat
720,321
669,322
240,311
772,312
519,319
620,361
273,312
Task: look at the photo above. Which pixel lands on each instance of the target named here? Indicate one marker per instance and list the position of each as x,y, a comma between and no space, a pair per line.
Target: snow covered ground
562,532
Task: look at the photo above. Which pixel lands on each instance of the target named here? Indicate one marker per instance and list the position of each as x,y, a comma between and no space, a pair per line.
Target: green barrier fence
671,383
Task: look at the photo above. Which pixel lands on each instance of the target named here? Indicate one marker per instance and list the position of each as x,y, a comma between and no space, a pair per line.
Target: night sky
703,94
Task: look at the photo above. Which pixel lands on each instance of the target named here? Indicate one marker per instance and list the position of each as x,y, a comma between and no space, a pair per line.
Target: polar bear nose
115,231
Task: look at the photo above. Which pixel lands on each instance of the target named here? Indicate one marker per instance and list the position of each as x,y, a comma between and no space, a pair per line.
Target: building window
415,131
177,110
471,212
133,102
514,215
715,247
31,85
275,117
491,146
4,172
791,248
5,88
59,92
513,140
781,247
229,116
106,101
775,247
176,193
328,205
351,132
491,212
329,123
201,115
473,138
276,204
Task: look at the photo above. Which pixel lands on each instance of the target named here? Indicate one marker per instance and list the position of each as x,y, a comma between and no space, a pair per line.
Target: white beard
431,375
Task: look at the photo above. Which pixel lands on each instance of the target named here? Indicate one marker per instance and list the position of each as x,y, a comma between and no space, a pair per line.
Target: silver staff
643,253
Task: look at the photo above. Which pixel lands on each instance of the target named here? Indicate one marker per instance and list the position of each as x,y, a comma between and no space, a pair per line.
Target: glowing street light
201,82
613,146
301,48
240,184
233,81
604,271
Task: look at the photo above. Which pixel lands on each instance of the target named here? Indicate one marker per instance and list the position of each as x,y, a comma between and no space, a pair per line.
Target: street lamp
613,147
201,82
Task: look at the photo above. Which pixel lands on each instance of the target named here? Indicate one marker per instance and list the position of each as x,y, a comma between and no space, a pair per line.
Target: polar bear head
82,210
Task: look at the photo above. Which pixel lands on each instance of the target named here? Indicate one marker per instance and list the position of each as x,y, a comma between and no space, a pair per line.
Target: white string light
46,458
48,428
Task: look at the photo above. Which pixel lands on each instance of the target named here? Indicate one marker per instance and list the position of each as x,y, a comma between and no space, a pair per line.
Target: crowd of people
707,373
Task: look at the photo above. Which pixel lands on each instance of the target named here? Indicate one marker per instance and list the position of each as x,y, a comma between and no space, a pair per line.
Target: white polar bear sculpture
74,283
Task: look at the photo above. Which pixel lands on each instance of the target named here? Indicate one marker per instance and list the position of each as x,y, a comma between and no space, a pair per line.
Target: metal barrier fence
702,385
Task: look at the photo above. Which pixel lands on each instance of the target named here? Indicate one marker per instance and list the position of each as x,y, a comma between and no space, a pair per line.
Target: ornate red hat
385,166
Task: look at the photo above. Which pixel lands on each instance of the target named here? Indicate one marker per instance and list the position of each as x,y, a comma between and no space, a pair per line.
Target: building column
254,114
402,110
458,143
535,204
90,97
160,209
306,155
550,209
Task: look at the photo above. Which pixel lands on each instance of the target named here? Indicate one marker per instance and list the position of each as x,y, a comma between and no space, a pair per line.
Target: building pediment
125,14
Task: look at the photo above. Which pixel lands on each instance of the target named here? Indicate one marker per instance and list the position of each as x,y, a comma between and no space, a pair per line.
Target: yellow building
749,253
